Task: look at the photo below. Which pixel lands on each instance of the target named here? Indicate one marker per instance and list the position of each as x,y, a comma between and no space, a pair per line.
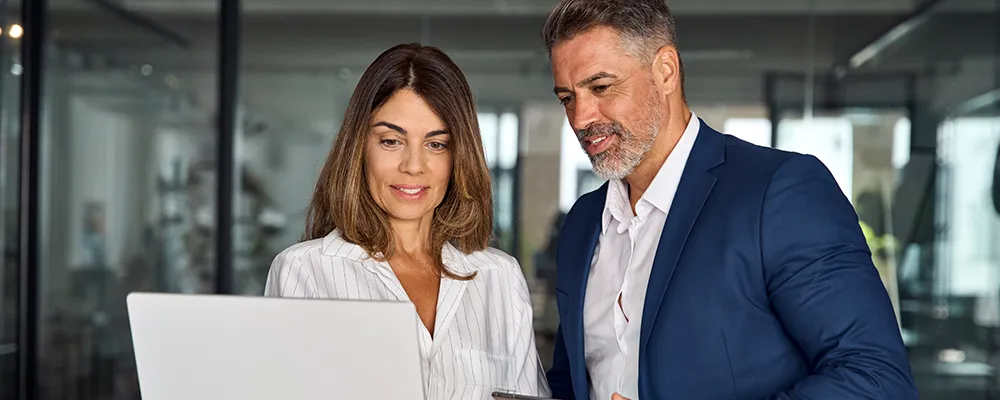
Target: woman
403,211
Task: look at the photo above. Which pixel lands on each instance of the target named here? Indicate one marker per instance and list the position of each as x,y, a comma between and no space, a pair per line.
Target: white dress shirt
620,268
483,335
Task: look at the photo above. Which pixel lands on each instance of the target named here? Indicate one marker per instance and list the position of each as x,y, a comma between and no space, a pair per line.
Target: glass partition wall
10,169
131,176
127,182
908,124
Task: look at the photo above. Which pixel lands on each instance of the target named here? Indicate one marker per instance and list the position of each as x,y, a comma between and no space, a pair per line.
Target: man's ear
667,70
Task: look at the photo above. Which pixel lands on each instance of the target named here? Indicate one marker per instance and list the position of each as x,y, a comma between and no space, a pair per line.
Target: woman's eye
437,145
389,142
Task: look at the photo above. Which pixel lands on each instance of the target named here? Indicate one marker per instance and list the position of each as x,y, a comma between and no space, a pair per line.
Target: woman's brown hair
342,199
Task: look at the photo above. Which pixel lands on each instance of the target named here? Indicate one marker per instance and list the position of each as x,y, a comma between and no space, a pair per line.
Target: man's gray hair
644,25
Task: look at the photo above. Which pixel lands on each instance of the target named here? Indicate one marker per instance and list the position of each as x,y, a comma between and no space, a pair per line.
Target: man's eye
565,100
600,89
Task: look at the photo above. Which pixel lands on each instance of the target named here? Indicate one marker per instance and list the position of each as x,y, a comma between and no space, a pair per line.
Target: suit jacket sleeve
825,289
559,377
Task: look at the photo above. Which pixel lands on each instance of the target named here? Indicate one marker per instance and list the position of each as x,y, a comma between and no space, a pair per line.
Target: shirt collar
617,205
661,190
335,245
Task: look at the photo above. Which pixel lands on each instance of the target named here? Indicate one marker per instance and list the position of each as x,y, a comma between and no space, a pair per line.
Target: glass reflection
128,191
10,85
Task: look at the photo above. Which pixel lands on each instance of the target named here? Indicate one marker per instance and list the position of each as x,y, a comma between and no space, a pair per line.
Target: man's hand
617,396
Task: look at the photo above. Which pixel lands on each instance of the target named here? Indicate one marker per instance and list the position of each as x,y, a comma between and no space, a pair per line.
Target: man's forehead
575,67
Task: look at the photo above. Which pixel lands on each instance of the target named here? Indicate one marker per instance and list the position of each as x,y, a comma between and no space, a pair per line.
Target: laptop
216,347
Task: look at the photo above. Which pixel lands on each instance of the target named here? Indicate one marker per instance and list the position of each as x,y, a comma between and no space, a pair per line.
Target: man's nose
584,113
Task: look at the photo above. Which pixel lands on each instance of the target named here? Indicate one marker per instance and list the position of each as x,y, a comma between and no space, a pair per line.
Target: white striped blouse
484,340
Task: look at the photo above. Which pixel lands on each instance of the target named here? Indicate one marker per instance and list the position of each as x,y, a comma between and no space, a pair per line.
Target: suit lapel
695,186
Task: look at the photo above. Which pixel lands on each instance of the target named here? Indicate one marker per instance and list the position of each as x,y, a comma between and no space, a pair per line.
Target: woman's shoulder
305,252
296,270
291,274
298,252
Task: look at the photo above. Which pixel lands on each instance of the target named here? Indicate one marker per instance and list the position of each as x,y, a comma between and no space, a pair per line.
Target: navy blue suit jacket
762,287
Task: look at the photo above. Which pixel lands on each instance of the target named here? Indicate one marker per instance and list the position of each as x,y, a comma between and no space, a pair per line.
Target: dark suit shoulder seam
760,216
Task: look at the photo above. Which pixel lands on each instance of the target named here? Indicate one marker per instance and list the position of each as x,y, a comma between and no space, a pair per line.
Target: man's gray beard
620,160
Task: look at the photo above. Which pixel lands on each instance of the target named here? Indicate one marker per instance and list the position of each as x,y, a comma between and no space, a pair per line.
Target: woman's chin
410,214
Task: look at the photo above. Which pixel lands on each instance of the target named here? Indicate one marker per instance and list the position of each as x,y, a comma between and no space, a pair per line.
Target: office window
500,133
753,130
576,176
971,232
127,185
829,139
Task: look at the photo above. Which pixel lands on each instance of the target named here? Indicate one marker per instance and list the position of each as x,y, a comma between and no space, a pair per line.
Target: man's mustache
601,129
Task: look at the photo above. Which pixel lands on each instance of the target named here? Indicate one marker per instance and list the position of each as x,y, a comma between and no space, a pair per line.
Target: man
707,267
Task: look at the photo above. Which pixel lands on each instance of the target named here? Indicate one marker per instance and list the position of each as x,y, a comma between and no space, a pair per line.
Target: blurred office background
128,123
